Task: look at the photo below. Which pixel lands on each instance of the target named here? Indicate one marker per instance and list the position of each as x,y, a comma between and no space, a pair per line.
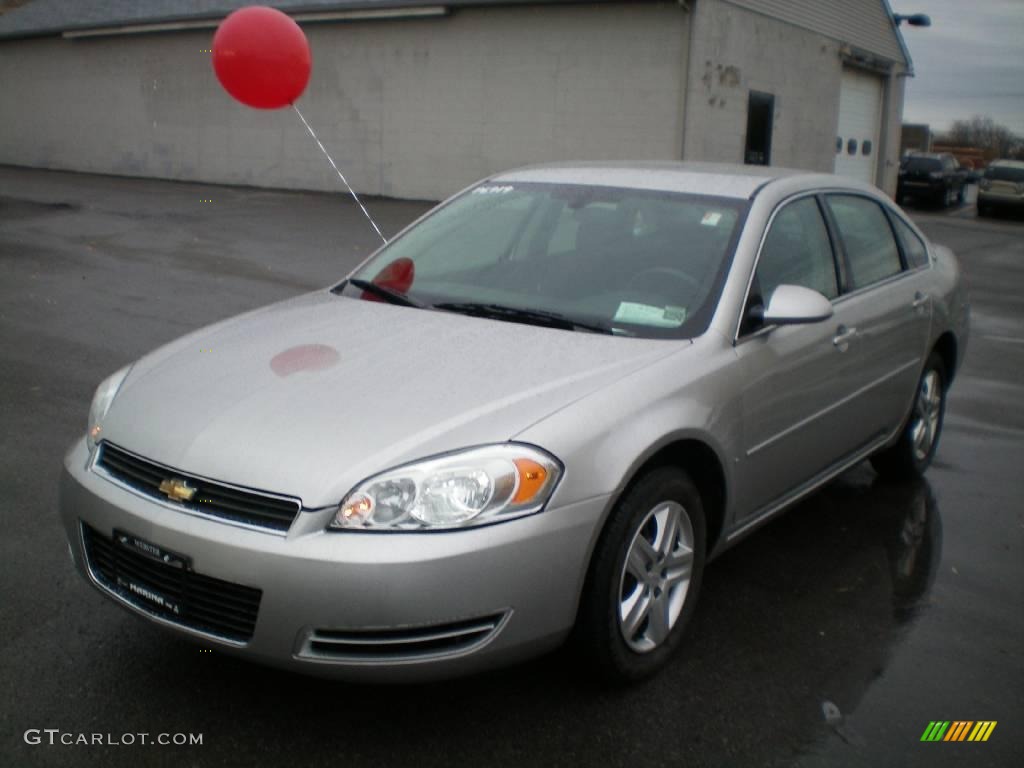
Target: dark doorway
760,115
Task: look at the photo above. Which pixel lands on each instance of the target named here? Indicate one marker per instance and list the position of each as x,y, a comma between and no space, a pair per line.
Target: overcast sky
969,61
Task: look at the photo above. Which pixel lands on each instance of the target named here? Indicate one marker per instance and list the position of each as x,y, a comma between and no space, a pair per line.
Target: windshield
637,262
923,164
1005,173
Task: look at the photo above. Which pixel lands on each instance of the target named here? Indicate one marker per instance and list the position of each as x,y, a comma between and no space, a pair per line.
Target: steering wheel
653,279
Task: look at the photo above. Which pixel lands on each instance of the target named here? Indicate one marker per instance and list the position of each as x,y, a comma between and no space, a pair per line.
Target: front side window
797,251
639,262
867,237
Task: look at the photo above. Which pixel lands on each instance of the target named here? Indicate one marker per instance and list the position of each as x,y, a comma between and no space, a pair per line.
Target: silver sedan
535,415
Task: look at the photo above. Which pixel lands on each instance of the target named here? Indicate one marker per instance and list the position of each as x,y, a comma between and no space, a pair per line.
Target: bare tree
982,132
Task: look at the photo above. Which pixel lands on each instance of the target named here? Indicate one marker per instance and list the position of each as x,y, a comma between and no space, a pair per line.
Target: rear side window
913,248
797,251
870,246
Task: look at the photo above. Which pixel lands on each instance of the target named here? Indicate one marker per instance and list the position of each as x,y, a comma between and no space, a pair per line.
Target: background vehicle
1002,187
937,178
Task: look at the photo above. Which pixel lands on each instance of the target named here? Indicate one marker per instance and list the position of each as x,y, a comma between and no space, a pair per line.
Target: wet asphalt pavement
882,606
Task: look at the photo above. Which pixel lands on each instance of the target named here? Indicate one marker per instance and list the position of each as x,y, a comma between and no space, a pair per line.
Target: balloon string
341,175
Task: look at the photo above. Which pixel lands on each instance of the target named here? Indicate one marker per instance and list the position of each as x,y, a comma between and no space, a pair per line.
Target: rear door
887,313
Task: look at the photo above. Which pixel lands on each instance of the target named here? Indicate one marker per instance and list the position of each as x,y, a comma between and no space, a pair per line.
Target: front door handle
843,336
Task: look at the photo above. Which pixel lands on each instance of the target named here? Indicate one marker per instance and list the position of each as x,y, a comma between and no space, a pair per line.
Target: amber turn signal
531,479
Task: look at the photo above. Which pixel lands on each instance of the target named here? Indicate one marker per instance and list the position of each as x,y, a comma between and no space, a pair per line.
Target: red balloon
261,57
398,276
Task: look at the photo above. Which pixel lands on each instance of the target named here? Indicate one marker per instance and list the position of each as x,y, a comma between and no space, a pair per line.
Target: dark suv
934,177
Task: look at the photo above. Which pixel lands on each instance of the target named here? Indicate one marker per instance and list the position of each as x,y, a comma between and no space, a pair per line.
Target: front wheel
913,452
644,578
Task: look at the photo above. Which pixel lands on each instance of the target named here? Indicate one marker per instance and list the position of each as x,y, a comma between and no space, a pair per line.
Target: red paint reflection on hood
307,357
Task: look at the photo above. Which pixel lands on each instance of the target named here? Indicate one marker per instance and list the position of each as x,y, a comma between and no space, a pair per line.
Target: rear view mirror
796,305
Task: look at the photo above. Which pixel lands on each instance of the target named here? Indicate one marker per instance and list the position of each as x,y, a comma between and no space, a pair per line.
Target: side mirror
796,305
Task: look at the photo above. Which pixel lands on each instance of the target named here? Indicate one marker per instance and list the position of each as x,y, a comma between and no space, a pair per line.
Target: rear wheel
644,578
911,455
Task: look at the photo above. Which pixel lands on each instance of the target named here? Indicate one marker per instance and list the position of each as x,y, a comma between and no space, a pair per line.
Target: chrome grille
211,498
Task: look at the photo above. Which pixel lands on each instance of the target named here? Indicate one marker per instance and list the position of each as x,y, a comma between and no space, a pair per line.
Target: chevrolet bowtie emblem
177,490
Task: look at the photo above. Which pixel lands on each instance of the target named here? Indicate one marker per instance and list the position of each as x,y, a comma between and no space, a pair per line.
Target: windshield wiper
388,294
518,315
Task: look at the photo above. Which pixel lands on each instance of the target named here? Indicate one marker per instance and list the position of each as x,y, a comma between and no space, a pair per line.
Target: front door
793,390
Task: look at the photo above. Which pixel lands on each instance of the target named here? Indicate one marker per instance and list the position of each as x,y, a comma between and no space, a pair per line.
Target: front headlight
101,401
457,490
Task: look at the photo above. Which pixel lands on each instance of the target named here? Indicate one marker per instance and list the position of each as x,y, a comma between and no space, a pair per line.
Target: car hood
309,396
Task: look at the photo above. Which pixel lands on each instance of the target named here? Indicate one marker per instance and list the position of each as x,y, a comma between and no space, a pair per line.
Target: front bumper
916,187
523,577
1000,200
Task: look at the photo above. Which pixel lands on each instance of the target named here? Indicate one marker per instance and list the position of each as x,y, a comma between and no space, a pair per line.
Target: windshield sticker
711,219
494,190
645,314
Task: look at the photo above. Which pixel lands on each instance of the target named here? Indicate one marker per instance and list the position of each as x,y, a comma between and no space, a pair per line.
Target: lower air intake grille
172,592
398,644
208,497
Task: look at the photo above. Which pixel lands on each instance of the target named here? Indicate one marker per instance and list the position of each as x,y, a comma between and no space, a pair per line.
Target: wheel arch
706,469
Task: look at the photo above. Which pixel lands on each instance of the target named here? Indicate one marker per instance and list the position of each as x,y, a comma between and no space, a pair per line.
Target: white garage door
860,113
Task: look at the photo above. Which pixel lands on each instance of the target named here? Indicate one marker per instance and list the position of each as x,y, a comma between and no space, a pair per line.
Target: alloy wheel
656,576
927,411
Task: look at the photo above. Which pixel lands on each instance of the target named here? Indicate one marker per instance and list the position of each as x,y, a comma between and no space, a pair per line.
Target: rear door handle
920,299
843,336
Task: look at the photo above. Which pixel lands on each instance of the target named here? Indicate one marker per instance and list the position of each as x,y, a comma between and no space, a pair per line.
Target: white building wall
892,128
735,51
412,109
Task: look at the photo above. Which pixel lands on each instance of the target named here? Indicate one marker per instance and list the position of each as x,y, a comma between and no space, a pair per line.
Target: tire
983,210
961,196
913,452
638,539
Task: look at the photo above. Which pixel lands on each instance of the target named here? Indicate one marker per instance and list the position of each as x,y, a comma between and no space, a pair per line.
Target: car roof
1008,163
716,179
